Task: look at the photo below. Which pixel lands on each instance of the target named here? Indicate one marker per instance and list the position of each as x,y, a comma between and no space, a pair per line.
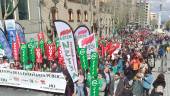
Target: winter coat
137,88
147,81
158,85
120,65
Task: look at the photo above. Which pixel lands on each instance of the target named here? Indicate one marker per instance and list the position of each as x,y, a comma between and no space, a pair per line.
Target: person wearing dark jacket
159,85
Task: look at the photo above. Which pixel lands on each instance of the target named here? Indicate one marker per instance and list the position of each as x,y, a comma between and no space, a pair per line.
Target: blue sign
5,45
20,32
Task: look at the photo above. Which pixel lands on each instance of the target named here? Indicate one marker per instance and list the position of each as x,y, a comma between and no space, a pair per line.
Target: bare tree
8,12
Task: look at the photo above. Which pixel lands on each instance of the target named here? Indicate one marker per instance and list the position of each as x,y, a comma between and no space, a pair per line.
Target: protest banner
11,31
89,43
5,45
15,51
31,52
42,46
44,81
83,58
38,54
66,39
94,64
20,32
94,87
50,51
81,32
40,36
24,55
60,56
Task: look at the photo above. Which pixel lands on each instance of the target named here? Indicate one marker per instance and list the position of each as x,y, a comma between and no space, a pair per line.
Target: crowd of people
127,72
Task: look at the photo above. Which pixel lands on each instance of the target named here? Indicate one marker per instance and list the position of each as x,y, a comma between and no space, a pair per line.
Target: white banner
65,35
81,32
44,81
89,43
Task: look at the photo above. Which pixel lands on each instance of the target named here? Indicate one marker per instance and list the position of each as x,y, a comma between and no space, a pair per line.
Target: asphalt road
166,70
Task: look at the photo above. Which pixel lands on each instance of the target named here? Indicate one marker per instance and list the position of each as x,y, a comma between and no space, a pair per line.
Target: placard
66,39
89,43
5,44
81,32
44,81
11,31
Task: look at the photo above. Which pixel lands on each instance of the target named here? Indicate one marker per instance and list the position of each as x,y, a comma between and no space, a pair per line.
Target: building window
85,16
78,15
70,12
23,10
9,4
54,13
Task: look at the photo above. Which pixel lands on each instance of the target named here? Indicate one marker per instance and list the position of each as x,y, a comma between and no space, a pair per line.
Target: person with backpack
159,85
147,82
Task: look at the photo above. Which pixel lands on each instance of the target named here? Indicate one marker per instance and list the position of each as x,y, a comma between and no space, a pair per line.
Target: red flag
40,36
15,51
60,56
18,41
38,55
50,51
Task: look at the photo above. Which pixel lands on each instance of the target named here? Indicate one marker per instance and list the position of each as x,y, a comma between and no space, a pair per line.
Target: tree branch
12,11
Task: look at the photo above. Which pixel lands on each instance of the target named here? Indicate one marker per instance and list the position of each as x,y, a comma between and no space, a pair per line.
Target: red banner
18,40
60,56
50,51
15,51
38,55
40,36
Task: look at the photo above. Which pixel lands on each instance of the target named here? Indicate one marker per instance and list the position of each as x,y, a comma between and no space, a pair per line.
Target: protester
135,64
147,82
118,85
159,85
80,84
137,87
102,85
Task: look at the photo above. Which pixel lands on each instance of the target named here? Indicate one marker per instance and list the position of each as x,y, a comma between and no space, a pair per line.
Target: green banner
31,52
42,46
24,55
94,87
83,58
94,64
57,43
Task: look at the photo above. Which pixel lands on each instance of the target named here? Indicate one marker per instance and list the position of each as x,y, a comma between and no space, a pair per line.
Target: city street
7,91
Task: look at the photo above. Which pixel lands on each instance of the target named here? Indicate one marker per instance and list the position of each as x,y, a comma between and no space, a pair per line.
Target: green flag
42,46
94,64
83,58
24,55
94,87
57,43
31,52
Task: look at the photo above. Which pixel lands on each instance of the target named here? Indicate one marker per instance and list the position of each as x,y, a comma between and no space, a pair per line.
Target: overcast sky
155,4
